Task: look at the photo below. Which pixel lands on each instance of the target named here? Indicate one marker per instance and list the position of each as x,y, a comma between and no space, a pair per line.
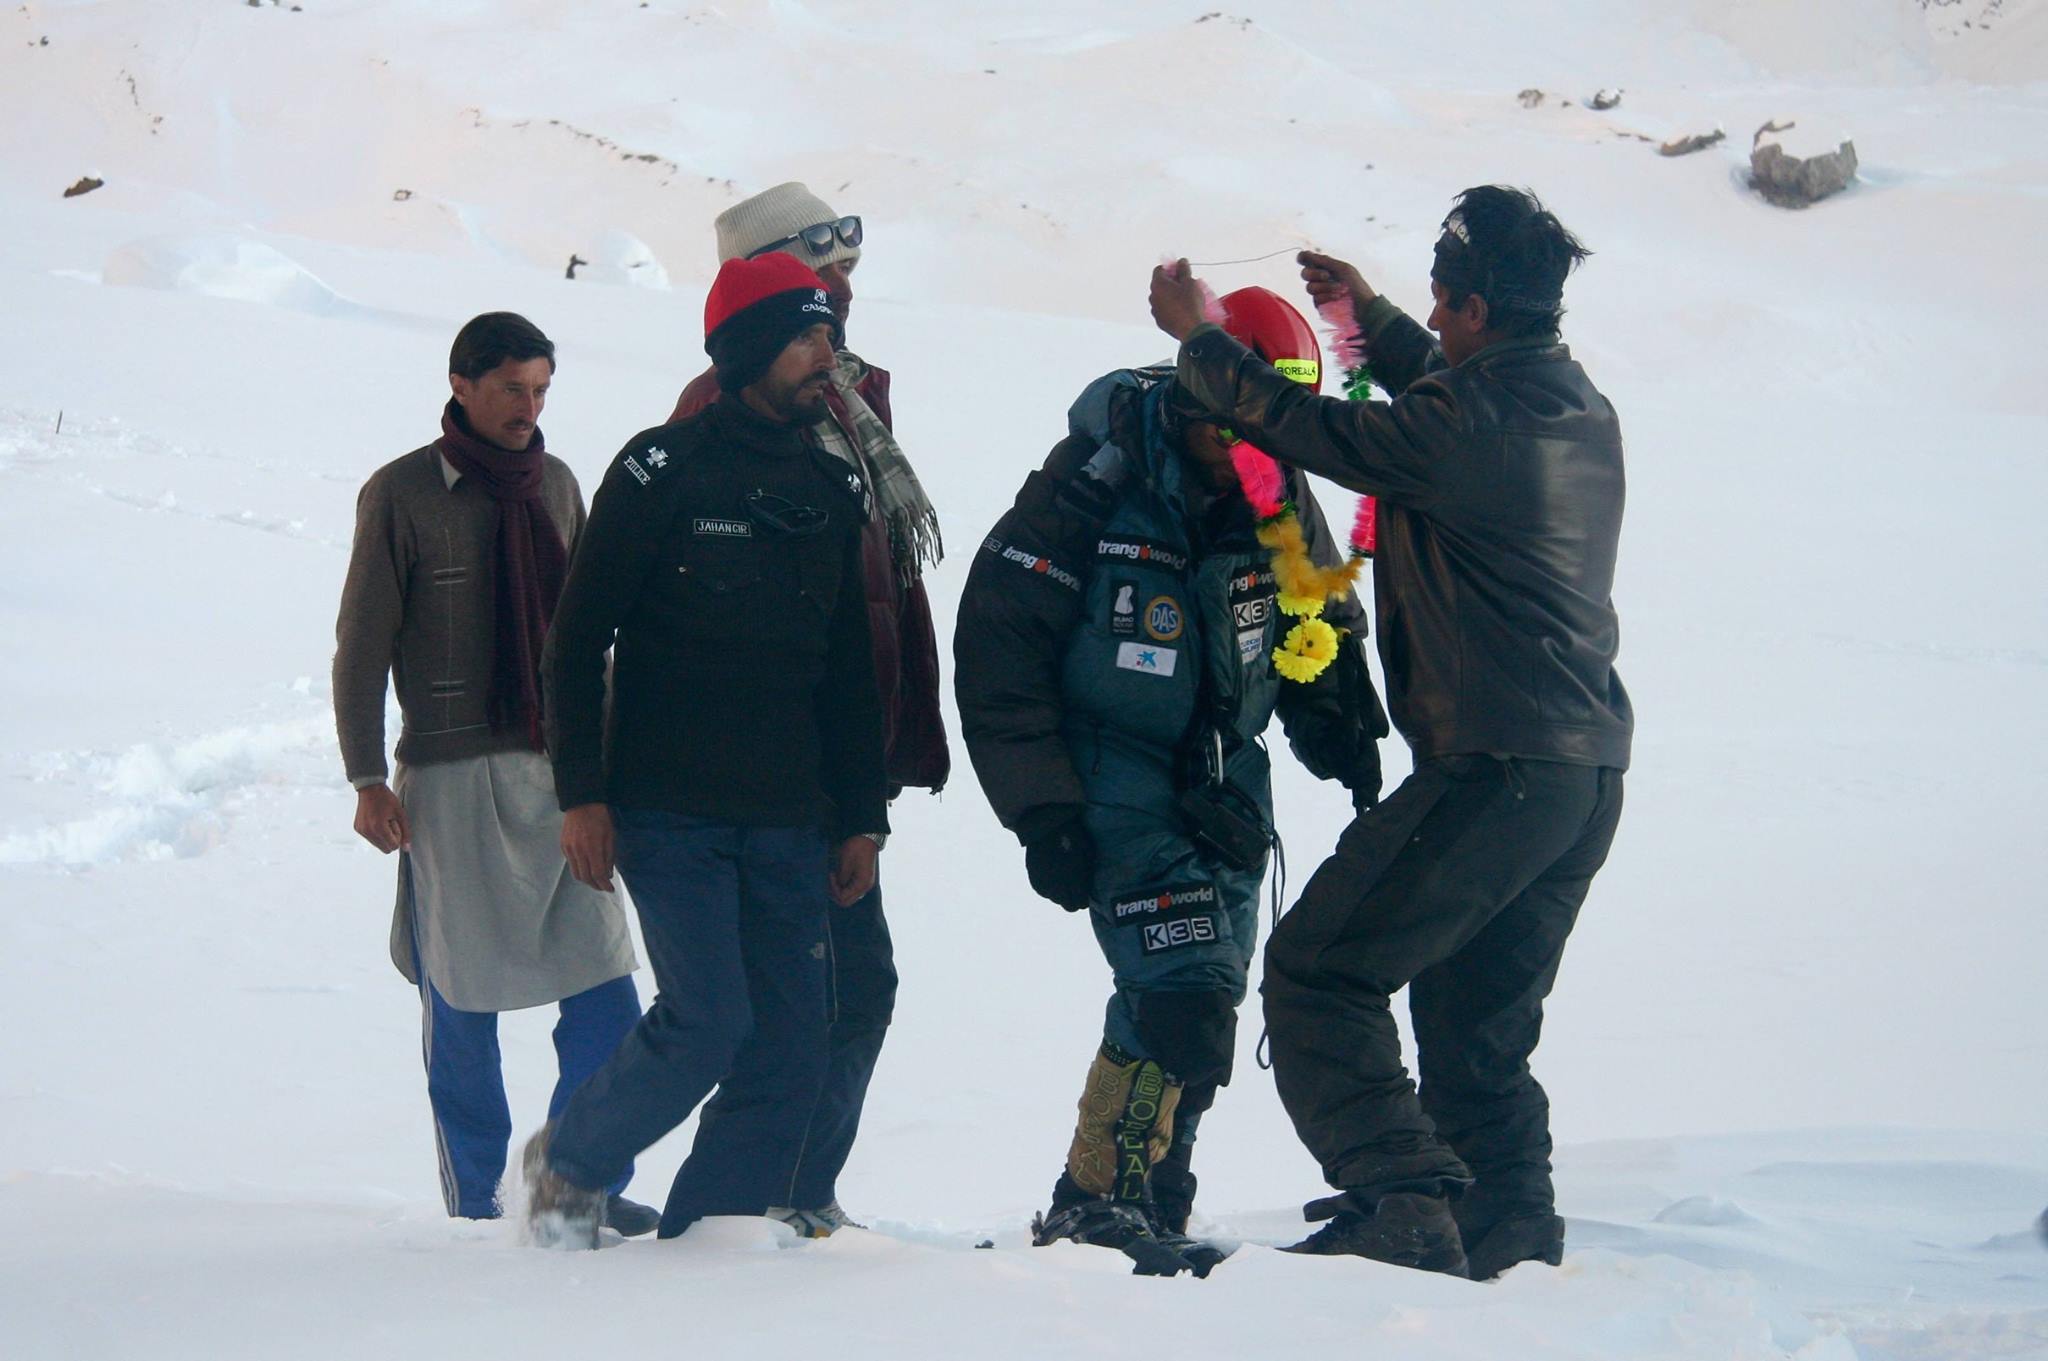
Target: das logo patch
1163,619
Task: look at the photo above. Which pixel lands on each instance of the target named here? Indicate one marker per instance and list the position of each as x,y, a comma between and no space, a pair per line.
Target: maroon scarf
531,565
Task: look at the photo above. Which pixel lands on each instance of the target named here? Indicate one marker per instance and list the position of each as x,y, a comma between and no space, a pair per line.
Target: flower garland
1305,587
1358,385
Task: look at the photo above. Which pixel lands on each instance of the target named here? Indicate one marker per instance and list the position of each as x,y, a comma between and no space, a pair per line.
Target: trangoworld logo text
1030,562
1142,550
1181,898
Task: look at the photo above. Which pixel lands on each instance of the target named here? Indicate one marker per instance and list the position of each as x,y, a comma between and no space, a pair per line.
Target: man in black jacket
1499,472
738,778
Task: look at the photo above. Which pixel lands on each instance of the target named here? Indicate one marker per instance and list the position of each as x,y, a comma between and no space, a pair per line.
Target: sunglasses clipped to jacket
817,237
780,515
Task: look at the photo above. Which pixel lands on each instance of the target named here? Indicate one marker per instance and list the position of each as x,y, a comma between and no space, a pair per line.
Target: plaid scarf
859,438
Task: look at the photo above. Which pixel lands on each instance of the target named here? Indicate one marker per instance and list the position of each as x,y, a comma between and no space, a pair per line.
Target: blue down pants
734,921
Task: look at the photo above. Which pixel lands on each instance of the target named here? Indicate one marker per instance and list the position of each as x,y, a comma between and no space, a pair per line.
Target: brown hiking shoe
559,1213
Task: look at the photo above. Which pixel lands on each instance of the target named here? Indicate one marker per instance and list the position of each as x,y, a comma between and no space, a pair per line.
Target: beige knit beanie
773,214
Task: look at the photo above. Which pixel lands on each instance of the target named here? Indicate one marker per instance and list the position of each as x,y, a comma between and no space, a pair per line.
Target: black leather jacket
1500,485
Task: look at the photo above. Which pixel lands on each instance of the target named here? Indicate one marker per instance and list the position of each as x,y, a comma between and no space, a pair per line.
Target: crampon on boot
1132,1227
1105,1223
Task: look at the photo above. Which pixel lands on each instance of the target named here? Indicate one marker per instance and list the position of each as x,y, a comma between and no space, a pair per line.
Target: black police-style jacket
1055,638
722,555
1500,485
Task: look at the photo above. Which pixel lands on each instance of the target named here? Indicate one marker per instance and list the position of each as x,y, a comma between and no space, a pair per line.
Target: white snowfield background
1796,1053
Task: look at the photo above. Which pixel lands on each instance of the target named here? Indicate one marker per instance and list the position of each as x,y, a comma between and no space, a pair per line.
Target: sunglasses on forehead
817,237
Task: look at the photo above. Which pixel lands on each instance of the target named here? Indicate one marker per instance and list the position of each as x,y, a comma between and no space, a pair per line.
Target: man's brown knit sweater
417,606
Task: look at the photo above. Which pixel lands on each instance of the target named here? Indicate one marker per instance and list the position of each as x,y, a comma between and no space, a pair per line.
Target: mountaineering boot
559,1213
1404,1229
1523,1238
1081,1216
629,1217
1201,1254
1124,1124
1173,1189
1104,1197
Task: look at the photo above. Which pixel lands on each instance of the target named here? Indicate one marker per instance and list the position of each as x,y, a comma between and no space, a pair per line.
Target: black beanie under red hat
755,308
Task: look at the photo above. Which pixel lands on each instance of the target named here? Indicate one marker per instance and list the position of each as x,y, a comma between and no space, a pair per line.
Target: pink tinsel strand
1344,339
1259,475
1365,527
1212,307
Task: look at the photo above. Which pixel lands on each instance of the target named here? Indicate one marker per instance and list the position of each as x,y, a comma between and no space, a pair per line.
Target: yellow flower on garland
1310,647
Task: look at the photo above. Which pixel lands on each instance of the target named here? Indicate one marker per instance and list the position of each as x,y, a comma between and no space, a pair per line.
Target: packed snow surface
1796,1054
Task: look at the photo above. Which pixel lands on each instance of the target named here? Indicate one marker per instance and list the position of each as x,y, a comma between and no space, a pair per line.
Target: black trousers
1461,886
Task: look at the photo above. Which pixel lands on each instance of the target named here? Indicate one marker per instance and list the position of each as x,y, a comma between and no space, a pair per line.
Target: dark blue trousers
466,1083
734,920
863,1000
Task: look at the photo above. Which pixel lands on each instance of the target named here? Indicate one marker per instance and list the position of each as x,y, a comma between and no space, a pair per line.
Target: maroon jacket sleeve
702,392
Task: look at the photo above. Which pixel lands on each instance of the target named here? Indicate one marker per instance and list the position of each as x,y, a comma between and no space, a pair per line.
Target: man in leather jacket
1499,471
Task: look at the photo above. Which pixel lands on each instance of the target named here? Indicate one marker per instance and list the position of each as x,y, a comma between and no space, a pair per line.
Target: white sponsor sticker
633,467
1152,660
1251,645
1174,934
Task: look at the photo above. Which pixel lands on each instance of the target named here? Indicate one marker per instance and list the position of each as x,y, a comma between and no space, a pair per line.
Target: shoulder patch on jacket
1034,563
647,462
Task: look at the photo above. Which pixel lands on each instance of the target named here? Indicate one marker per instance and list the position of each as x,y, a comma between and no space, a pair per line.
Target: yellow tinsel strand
1304,586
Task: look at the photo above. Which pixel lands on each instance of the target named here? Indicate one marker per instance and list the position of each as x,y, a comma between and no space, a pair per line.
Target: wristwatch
881,839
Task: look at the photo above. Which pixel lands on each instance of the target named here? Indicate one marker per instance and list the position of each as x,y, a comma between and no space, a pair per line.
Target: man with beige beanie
899,541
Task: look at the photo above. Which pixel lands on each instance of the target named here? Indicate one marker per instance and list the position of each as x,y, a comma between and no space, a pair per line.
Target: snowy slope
1823,918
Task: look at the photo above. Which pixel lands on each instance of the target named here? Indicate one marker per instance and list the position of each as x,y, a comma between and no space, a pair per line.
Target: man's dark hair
1504,245
491,339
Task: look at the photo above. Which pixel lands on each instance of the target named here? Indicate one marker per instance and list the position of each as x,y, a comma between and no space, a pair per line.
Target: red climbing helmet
1269,325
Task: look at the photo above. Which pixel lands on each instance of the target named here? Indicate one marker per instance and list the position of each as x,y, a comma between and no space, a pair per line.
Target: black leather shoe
1406,1229
1524,1238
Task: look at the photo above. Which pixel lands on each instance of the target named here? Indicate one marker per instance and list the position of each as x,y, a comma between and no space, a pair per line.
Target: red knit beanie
755,308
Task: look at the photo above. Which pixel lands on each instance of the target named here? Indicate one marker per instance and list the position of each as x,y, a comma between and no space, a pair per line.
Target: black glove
1061,863
1364,782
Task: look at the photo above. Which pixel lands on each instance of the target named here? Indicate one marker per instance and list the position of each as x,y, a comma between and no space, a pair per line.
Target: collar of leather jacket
1520,350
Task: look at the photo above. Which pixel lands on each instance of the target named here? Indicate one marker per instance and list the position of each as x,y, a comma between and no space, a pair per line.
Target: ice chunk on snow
220,267
1705,1212
623,258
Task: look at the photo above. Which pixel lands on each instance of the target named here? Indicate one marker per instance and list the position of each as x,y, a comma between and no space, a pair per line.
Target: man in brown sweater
461,549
